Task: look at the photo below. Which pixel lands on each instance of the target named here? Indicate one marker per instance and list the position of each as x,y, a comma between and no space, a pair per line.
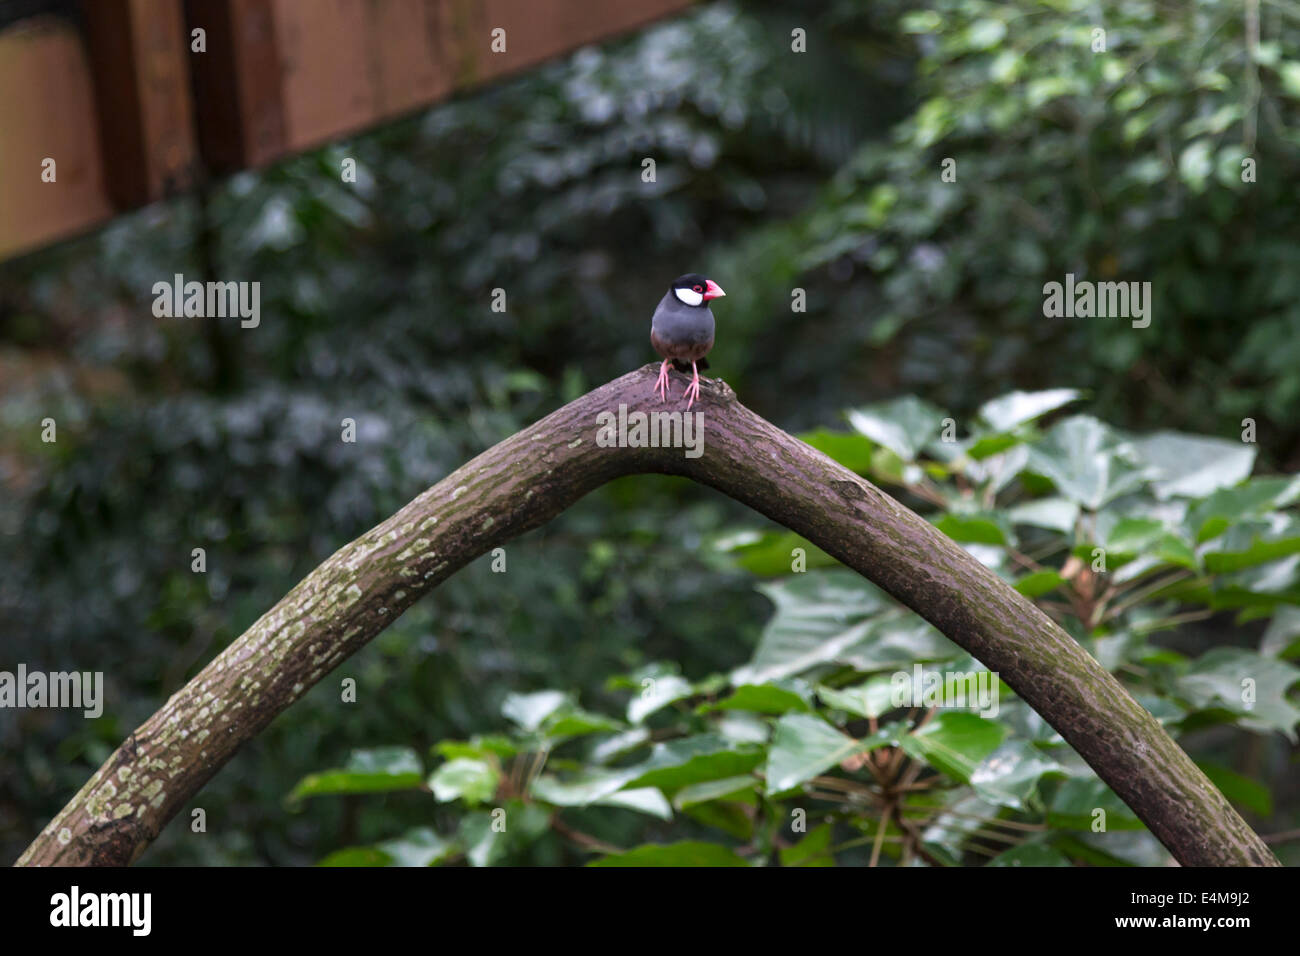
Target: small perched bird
682,329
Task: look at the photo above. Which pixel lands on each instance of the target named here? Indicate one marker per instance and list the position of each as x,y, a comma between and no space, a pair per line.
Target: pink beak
712,290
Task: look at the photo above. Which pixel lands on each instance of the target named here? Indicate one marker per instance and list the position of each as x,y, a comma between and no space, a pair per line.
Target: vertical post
138,58
237,83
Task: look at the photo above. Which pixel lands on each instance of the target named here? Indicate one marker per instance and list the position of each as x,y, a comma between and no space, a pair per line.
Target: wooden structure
120,96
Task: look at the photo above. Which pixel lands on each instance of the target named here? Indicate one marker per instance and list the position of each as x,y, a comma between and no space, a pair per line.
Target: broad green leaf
946,836
733,819
1241,790
368,771
686,853
1161,708
1030,854
1138,848
903,425
872,698
1251,499
657,693
774,554
812,850
888,468
620,744
579,790
529,710
478,746
989,461
569,721
1038,583
1173,550
850,450
1082,800
1129,572
896,639
818,614
1251,542
986,446
802,747
1133,535
1260,586
488,836
991,556
974,528
960,682
1009,776
679,763
357,856
1086,463
1127,645
1282,639
1000,470
1023,721
647,800
738,787
1055,514
954,743
1009,411
418,847
768,698
1246,684
474,781
1194,465
484,843
741,727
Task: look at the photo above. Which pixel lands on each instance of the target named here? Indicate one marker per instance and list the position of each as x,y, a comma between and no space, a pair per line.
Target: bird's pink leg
661,386
693,390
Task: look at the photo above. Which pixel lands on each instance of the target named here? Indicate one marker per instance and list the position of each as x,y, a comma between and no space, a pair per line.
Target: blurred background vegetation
775,170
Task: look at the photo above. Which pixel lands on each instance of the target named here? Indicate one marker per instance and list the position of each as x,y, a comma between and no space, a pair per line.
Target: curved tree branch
530,478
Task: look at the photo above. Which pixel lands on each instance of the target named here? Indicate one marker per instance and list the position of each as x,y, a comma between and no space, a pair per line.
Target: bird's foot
692,390
661,386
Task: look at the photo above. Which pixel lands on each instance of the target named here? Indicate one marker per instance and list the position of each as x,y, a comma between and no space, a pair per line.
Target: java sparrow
682,329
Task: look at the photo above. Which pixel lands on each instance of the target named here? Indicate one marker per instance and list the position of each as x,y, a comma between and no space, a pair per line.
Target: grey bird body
680,331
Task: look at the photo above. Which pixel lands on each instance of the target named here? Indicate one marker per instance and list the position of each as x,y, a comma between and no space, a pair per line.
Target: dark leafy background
775,171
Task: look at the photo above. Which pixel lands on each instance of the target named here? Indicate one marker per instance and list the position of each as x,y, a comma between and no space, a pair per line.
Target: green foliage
1167,157
856,732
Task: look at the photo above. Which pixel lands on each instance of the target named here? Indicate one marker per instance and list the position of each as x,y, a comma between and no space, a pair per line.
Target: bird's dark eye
698,288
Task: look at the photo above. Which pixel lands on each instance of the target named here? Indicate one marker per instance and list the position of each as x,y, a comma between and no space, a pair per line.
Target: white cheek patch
688,296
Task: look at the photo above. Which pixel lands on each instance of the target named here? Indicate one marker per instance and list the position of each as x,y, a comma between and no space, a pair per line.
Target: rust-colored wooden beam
130,113
113,114
536,31
46,54
282,76
138,57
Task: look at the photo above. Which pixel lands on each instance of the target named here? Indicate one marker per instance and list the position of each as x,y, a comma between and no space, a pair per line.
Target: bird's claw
692,393
661,386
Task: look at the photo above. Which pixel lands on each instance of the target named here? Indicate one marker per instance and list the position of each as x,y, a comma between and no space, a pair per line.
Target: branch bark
531,477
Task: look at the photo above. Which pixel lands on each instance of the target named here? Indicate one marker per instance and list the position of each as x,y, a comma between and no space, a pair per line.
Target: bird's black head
695,290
